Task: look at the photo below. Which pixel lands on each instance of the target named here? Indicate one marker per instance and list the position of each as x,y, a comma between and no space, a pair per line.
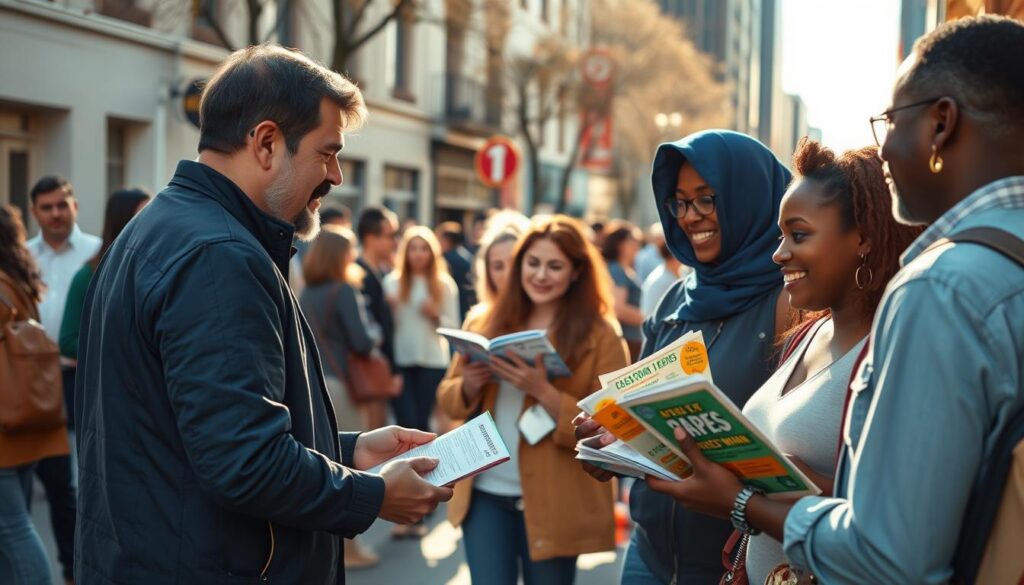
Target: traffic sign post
496,162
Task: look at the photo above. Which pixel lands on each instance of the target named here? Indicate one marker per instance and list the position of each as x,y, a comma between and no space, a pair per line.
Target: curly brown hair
855,182
15,259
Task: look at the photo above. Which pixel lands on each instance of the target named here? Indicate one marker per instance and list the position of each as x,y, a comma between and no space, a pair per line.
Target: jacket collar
275,235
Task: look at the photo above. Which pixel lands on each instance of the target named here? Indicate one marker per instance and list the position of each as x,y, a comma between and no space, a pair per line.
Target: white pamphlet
535,424
473,448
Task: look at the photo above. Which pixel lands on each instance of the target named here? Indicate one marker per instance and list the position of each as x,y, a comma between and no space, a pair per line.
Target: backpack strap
996,239
986,495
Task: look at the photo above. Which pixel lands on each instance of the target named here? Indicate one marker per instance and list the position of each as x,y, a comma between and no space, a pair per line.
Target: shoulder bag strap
320,333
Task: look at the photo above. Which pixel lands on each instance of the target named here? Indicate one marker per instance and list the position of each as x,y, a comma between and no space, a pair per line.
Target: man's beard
306,222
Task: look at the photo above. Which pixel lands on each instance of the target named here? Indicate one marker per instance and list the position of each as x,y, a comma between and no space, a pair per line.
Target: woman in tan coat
22,556
539,509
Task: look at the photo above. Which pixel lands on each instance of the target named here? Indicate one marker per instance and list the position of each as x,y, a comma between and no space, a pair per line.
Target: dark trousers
497,549
415,404
61,492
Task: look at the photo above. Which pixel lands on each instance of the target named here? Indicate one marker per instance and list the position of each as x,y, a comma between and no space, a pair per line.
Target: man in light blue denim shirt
946,363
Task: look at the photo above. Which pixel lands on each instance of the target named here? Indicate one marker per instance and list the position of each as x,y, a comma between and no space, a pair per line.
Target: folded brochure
720,430
472,448
647,401
526,344
686,356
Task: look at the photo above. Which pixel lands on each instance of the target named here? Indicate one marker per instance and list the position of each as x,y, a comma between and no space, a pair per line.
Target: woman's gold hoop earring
864,275
935,162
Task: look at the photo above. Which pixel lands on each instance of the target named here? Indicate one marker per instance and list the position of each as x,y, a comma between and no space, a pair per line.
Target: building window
525,4
352,191
561,124
401,191
544,11
116,155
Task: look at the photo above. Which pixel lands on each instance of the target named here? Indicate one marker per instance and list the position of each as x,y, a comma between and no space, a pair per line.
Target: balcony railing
469,103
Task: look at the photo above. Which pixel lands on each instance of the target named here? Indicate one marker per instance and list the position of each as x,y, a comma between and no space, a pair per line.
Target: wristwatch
738,516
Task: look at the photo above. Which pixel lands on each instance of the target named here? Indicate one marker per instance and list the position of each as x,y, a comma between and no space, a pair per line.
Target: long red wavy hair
588,297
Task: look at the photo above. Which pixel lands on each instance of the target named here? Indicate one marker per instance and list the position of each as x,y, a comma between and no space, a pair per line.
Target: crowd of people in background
805,282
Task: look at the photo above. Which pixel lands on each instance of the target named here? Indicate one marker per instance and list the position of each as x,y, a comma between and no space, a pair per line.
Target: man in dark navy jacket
208,451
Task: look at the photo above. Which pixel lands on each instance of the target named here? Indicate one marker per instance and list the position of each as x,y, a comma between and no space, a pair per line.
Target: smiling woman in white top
839,248
423,297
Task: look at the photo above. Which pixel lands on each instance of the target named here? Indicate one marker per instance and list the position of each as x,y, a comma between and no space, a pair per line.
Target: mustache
321,190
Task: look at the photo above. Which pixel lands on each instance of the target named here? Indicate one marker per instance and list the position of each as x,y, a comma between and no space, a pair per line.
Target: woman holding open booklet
539,509
718,193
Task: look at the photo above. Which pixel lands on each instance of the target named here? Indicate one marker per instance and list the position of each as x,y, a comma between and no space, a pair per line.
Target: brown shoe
357,557
411,531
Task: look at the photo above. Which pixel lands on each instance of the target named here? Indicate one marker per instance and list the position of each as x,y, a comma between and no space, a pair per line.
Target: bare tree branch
214,23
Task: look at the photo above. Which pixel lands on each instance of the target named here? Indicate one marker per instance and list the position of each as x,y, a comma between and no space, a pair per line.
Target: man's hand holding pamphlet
473,448
641,405
526,344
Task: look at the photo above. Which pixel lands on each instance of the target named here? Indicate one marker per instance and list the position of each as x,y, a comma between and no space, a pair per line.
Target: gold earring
935,162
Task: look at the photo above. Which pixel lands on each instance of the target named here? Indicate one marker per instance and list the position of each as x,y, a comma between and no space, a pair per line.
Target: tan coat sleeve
449,392
609,354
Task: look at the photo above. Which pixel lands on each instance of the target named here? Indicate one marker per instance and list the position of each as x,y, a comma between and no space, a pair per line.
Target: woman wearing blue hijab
718,193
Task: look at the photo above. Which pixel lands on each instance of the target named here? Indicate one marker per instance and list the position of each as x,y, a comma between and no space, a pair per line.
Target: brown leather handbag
31,389
369,377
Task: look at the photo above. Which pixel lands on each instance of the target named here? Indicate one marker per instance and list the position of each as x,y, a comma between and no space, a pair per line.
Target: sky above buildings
841,57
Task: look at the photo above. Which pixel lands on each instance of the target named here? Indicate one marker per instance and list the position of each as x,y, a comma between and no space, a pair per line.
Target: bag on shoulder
993,528
31,389
369,377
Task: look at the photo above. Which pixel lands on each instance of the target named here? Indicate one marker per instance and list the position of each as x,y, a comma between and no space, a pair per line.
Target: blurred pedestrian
660,280
378,231
619,248
60,248
337,314
535,514
122,206
460,263
423,297
23,559
493,263
649,257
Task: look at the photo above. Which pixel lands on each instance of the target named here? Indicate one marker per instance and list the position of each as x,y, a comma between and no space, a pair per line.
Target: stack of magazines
643,404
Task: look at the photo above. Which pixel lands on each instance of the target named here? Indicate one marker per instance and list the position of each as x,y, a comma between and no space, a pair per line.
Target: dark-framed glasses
880,123
702,206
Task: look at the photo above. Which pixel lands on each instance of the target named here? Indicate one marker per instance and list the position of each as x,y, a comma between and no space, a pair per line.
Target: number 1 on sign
497,154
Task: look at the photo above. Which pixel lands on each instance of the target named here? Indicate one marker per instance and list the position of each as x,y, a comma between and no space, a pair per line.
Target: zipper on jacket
270,557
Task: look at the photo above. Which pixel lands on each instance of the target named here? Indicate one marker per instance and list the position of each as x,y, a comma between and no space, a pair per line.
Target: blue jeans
22,555
634,570
415,404
494,533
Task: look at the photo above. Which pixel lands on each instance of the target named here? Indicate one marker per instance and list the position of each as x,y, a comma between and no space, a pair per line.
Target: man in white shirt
60,249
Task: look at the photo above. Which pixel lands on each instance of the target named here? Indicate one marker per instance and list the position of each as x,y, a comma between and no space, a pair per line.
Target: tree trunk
339,58
255,11
563,187
532,157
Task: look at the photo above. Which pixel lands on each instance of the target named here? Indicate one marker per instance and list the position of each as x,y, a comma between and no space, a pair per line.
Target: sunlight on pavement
592,560
441,543
462,577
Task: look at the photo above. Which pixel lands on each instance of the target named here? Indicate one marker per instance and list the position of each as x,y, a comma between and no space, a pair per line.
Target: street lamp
665,120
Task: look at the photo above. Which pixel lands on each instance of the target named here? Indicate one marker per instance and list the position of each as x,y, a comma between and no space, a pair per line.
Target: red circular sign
496,161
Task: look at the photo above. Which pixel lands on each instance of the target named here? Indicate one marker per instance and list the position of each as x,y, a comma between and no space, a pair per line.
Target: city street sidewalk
437,559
